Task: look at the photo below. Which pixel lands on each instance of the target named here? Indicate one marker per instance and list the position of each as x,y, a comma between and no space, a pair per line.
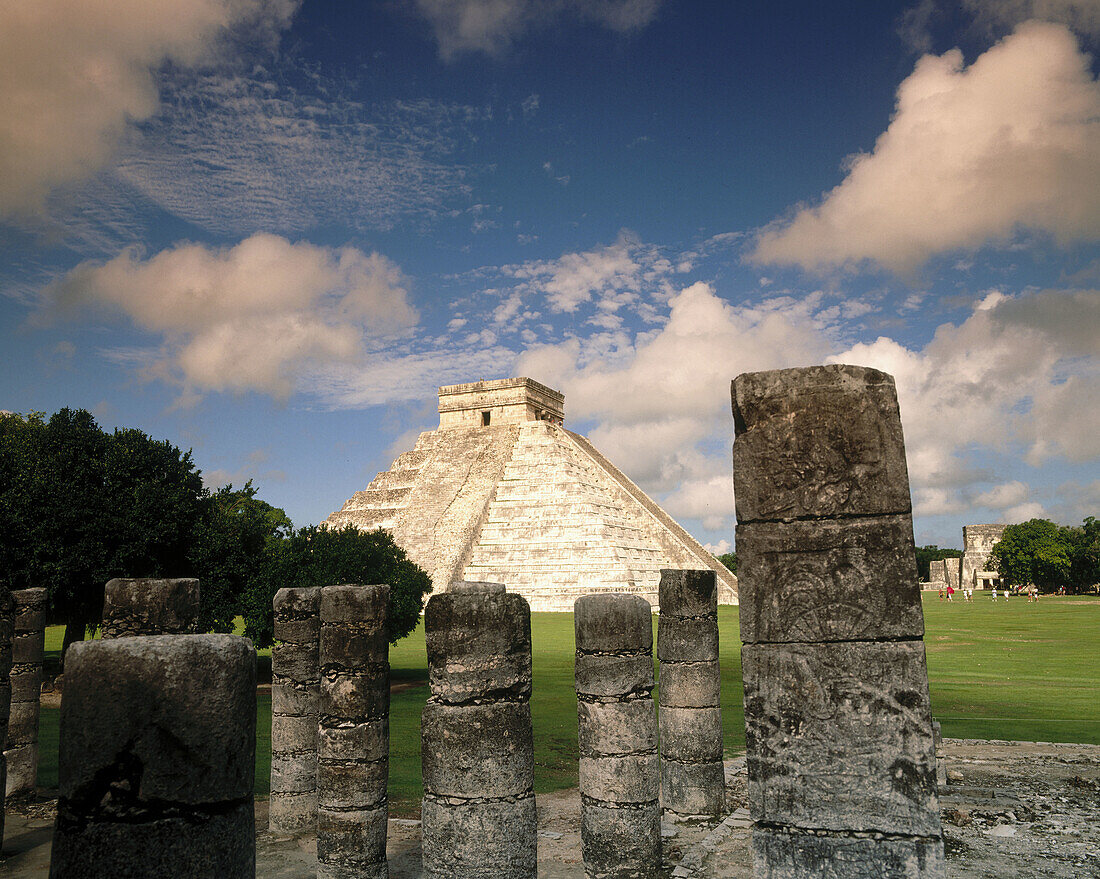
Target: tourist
950,592
994,593
941,593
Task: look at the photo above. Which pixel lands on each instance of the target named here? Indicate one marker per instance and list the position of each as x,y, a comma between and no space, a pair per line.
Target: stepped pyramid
503,492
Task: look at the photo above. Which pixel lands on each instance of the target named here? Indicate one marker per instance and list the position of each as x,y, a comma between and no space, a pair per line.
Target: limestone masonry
502,492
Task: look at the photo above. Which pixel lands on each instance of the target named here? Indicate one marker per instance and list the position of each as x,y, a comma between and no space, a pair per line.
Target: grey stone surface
619,768
478,812
477,751
157,755
146,606
838,736
690,693
691,735
607,833
21,747
478,644
353,755
491,839
295,708
605,674
829,580
696,788
841,764
688,594
687,640
690,684
824,441
794,855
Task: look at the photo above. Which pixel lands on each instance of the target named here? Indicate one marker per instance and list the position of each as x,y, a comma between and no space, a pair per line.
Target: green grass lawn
1009,670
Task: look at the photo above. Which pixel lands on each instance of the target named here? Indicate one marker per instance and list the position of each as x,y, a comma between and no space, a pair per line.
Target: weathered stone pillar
617,726
145,606
842,772
157,759
7,626
354,737
693,780
295,699
28,642
478,815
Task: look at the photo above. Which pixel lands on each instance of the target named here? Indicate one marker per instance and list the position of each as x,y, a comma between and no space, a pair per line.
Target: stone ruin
978,542
158,730
838,726
27,648
503,492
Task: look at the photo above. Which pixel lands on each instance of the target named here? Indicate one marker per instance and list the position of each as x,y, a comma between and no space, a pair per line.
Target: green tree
1037,551
931,553
314,556
229,544
1085,555
84,506
729,559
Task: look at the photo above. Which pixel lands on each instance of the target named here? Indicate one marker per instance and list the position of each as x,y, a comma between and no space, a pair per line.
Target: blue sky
267,230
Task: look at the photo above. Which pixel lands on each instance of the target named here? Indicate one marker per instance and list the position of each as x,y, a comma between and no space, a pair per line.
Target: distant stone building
502,492
978,541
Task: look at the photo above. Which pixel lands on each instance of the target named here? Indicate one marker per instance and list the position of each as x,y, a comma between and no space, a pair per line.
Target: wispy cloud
236,155
75,75
493,26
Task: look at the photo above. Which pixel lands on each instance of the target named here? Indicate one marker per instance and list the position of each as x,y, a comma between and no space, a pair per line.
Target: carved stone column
842,770
28,642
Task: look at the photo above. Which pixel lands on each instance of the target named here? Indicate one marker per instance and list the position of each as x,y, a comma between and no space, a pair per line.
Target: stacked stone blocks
147,606
295,698
157,758
21,750
353,737
838,727
619,779
692,775
7,629
478,816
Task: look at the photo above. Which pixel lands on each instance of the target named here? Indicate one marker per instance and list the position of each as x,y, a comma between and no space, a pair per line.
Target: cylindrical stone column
478,817
7,625
354,738
693,779
157,759
295,698
838,727
617,735
146,606
21,750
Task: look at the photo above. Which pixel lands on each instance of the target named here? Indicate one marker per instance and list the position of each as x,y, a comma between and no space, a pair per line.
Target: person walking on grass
950,592
994,593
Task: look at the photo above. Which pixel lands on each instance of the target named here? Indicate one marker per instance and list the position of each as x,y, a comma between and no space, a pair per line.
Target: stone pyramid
503,492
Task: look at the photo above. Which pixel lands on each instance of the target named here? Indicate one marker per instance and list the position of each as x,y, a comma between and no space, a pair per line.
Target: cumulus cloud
75,75
493,26
1005,380
972,155
997,381
251,317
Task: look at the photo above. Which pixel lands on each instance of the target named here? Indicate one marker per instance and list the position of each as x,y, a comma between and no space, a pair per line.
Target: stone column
951,571
21,751
477,750
295,697
617,726
693,780
7,628
144,606
838,728
354,738
157,759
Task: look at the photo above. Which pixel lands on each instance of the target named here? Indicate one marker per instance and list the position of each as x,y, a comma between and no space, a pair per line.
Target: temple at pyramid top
501,491
503,401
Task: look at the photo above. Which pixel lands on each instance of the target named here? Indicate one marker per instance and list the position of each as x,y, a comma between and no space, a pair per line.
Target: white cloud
252,317
972,155
1000,497
75,75
720,548
493,26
